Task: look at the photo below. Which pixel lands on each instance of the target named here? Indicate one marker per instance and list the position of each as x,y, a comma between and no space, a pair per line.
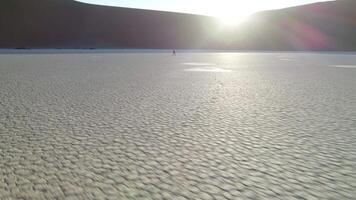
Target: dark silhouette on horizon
69,24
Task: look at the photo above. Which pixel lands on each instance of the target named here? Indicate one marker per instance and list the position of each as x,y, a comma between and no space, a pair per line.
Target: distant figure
174,52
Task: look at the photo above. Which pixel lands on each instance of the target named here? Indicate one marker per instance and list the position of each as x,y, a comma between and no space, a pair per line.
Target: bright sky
225,9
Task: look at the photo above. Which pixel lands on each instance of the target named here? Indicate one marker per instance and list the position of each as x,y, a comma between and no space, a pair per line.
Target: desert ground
192,126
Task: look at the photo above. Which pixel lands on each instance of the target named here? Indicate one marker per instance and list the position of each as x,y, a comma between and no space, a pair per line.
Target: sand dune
71,24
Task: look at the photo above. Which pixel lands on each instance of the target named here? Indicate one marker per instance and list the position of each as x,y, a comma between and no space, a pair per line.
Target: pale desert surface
191,126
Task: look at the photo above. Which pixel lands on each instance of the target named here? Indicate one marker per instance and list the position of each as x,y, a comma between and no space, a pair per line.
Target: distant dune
71,24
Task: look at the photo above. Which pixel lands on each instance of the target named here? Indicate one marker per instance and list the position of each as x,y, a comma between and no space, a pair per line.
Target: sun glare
232,21
230,16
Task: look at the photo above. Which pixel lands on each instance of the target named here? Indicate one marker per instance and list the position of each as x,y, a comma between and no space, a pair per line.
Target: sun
232,18
232,21
230,13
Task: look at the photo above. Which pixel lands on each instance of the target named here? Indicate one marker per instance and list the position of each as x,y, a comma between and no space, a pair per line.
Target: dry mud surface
191,126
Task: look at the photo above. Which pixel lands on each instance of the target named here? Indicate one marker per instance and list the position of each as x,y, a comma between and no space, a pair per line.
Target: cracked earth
193,126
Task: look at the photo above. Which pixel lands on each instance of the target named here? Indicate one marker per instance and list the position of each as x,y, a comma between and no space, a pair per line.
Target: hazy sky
219,8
